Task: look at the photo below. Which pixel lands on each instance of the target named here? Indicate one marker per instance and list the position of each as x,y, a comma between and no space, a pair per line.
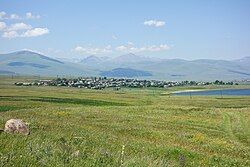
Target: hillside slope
31,63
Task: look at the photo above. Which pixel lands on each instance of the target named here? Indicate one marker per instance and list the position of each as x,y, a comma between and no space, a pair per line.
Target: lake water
229,92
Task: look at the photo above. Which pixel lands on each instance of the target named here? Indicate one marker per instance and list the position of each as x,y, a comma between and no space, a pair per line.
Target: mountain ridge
32,63
27,62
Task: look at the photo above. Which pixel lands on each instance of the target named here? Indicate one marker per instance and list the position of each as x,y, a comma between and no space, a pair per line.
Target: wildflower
122,155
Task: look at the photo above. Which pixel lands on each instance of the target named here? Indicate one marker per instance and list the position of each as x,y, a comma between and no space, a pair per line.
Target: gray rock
16,126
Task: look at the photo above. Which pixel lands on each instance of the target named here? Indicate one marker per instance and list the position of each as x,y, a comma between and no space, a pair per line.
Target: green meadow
129,127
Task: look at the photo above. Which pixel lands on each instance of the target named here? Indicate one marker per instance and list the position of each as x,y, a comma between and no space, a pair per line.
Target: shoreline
190,90
203,90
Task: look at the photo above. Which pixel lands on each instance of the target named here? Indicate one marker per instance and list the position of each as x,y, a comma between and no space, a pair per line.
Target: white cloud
127,48
121,48
131,48
14,16
155,23
2,26
2,15
10,34
130,43
114,37
108,47
29,15
155,48
20,29
35,32
93,50
19,26
29,33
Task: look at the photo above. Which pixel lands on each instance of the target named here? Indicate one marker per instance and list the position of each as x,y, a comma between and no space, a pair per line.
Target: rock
16,126
76,153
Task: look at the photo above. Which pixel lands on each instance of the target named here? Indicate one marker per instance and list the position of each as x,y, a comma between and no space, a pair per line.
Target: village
116,83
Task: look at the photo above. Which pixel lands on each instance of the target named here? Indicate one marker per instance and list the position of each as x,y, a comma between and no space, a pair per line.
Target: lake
229,92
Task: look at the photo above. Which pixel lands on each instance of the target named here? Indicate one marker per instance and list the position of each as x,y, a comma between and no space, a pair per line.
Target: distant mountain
128,65
203,69
243,61
125,72
71,60
3,72
130,58
179,69
92,60
31,63
124,61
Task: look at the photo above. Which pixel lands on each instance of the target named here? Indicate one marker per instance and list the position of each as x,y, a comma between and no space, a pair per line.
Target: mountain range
129,65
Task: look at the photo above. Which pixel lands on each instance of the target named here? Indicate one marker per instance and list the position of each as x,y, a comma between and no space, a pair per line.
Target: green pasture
129,127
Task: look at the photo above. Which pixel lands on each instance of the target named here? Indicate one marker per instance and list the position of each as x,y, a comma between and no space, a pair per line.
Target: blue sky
188,29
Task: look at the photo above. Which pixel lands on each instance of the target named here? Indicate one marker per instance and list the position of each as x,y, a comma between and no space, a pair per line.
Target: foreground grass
79,127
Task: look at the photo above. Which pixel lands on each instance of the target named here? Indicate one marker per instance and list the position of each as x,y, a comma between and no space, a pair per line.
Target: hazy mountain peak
92,59
131,54
31,63
26,52
245,58
130,57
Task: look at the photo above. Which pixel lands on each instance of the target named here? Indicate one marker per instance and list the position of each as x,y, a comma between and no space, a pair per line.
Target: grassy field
137,127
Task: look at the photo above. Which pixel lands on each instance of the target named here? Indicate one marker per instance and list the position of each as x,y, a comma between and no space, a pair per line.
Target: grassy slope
157,130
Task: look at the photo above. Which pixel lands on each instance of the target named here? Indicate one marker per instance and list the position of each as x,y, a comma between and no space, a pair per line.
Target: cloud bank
152,48
129,47
20,29
92,50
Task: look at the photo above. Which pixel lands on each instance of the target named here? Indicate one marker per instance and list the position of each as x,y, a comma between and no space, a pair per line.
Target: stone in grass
16,126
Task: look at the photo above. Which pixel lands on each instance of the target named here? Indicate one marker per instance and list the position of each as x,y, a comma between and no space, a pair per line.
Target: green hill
31,63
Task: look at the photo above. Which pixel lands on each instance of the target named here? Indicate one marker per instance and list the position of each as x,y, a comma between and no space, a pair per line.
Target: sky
183,29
